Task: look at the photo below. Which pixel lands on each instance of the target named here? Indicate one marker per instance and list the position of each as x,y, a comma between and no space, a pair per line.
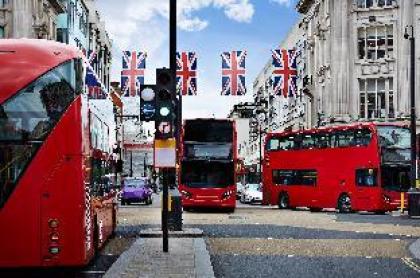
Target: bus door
303,190
366,181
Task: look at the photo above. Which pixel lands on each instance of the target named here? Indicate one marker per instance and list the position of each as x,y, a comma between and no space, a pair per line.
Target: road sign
165,127
147,103
165,153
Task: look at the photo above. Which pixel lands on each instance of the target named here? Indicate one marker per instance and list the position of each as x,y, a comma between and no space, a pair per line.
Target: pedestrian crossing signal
147,103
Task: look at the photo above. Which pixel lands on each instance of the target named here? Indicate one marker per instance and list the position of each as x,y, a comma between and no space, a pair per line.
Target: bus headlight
186,194
386,198
53,223
54,237
227,194
54,250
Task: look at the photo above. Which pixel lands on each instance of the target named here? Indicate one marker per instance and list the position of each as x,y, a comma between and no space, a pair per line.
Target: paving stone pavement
187,257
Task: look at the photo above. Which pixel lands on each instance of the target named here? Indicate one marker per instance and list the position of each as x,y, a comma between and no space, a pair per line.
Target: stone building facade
99,43
34,19
74,22
353,65
358,60
73,26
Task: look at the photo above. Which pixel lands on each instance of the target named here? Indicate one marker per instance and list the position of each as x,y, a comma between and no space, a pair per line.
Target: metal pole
172,62
260,168
131,163
144,164
410,37
413,112
165,209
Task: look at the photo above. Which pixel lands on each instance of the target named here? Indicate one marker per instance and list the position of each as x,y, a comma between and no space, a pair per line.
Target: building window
376,98
3,3
376,42
365,4
1,32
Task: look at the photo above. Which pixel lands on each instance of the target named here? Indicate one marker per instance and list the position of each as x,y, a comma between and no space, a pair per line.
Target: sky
208,27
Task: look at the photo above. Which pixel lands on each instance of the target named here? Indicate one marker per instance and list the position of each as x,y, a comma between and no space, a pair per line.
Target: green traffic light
164,111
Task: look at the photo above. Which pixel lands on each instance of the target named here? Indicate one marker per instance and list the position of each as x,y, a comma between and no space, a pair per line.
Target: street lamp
410,36
261,116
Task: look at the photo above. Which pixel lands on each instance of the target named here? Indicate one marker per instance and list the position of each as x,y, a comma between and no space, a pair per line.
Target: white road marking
409,262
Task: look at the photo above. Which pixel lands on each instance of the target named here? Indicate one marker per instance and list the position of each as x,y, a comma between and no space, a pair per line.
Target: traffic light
165,104
147,102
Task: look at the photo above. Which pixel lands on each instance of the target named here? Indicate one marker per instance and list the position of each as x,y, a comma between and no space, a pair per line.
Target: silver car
252,193
239,189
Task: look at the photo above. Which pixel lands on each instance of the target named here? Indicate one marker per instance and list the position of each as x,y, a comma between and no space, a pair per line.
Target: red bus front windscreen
207,174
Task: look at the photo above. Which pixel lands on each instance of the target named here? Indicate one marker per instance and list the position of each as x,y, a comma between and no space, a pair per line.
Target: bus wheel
283,201
344,204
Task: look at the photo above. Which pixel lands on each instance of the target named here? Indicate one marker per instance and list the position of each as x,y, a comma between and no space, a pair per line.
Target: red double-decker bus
357,167
208,164
54,205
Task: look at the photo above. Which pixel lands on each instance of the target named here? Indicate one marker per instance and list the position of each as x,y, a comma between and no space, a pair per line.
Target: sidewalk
187,257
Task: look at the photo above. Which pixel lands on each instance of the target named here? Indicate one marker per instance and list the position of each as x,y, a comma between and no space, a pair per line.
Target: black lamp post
410,37
131,163
260,112
144,164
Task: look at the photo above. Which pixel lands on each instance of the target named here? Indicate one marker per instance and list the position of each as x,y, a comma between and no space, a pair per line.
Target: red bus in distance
208,164
356,167
56,205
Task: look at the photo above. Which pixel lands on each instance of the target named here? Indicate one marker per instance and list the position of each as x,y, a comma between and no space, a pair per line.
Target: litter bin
413,203
175,211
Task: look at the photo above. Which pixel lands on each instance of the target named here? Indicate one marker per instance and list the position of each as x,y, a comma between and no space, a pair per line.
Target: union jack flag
92,57
94,85
233,73
284,72
132,74
186,73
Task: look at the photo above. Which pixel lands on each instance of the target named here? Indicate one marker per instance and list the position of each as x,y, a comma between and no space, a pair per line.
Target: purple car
136,190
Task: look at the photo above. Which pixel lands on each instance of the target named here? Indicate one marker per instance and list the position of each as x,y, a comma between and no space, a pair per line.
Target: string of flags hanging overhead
283,79
96,90
132,74
233,73
186,73
284,72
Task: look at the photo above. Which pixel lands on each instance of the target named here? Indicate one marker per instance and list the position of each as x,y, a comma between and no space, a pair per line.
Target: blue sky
207,27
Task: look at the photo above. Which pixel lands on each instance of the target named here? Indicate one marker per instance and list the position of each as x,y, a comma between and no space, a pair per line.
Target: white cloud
143,25
237,10
282,2
192,24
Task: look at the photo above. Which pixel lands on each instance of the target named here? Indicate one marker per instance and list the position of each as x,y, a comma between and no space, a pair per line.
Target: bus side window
282,144
308,141
345,138
274,144
363,137
283,177
366,177
323,141
333,140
